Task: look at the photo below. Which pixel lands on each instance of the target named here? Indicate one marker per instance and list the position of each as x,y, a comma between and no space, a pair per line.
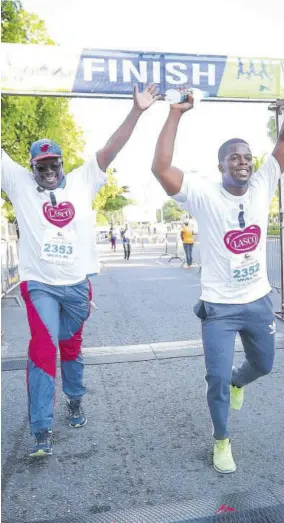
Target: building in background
139,214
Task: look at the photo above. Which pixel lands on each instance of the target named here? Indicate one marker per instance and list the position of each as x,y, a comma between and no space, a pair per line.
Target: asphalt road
148,440
139,301
144,300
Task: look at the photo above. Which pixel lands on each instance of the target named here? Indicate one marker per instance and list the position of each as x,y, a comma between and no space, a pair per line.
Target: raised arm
142,101
12,175
169,177
278,151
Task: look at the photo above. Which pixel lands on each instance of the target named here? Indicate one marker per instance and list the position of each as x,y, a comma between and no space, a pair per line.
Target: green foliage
102,219
116,203
275,206
108,191
257,162
12,29
171,211
35,29
9,212
111,197
26,118
273,230
271,129
18,26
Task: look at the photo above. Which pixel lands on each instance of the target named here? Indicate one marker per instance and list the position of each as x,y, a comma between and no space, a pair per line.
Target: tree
171,211
102,219
11,28
111,196
271,129
26,118
258,161
18,26
110,201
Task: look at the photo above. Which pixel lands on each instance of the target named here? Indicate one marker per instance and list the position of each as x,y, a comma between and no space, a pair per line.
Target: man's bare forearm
281,132
278,151
141,102
118,139
165,145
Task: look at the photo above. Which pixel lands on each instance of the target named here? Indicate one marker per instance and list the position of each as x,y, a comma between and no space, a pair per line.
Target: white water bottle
173,96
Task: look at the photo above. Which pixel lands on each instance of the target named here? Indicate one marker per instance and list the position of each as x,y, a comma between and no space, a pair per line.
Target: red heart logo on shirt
245,240
60,215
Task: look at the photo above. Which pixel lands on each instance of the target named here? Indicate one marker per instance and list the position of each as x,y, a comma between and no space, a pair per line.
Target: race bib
245,269
58,247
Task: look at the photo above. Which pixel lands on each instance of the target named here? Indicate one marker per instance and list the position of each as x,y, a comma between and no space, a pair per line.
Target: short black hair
224,147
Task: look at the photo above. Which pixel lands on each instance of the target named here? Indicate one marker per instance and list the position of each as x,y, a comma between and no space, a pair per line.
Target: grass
273,230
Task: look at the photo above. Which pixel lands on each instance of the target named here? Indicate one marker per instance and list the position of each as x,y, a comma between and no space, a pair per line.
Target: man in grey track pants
232,220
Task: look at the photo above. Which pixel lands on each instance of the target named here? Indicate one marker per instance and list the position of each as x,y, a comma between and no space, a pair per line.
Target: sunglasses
41,168
241,217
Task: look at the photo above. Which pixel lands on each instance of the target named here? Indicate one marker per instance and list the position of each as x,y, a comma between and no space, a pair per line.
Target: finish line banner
53,70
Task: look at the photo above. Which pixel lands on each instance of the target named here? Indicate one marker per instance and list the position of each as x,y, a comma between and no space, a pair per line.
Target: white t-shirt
93,267
55,242
232,231
127,235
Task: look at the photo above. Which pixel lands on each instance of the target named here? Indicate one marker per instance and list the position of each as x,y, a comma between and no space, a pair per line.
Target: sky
237,28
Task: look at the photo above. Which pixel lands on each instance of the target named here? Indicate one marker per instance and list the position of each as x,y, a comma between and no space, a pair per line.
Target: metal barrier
143,237
172,247
9,269
174,250
273,261
278,108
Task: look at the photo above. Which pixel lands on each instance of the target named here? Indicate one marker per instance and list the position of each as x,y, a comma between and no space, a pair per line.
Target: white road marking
148,347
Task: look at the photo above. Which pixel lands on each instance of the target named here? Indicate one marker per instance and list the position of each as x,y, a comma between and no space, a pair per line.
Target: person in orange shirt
188,242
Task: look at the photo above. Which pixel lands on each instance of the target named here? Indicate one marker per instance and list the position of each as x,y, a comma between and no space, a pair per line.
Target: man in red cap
54,213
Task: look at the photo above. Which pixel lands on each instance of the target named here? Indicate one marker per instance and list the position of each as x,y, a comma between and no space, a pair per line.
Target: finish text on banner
39,69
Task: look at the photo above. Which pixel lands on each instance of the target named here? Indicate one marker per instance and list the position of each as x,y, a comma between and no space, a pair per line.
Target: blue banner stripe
115,72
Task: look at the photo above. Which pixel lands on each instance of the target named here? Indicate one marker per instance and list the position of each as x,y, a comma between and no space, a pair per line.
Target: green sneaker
43,444
223,460
236,397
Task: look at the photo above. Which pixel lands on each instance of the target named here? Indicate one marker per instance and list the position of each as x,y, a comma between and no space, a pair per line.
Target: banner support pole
278,108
